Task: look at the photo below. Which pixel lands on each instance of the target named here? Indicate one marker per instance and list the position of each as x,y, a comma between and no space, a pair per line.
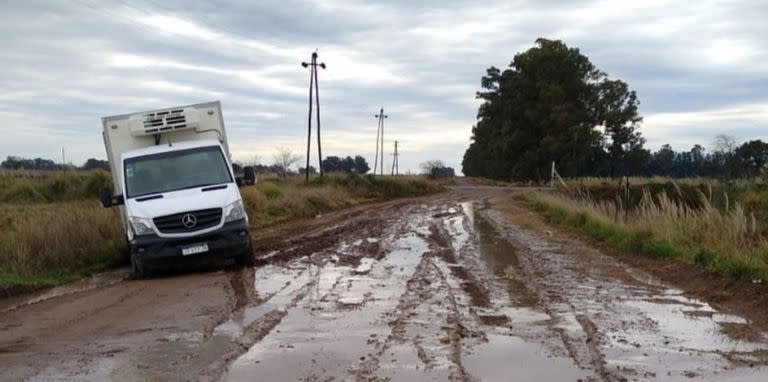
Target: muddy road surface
445,288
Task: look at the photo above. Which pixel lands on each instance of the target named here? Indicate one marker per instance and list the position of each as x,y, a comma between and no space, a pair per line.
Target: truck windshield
176,170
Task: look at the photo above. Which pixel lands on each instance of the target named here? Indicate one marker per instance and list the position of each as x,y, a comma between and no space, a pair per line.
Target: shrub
94,181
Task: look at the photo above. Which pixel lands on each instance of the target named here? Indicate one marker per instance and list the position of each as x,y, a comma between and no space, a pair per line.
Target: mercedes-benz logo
189,220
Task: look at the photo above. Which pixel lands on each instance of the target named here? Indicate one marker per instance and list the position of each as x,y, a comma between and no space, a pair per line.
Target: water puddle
501,259
236,325
506,358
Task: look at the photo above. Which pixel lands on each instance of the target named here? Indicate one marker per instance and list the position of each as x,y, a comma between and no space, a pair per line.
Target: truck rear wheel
137,267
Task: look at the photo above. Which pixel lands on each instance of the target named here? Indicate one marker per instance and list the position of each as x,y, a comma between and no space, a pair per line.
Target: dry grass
51,186
43,243
727,239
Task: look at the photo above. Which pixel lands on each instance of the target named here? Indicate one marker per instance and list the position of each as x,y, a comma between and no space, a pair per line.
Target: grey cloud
65,64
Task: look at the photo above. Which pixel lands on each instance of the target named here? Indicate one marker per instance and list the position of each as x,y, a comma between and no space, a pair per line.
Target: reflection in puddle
506,358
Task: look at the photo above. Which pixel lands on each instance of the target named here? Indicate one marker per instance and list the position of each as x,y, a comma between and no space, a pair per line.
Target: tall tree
549,105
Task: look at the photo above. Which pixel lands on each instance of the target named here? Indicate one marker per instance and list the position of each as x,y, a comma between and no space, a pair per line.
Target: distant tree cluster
18,163
349,165
730,161
437,169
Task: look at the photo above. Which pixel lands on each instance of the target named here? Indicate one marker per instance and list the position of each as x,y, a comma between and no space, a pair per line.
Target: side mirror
105,195
249,176
107,200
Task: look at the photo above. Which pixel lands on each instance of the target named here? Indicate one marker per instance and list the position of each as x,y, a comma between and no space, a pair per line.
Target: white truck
176,188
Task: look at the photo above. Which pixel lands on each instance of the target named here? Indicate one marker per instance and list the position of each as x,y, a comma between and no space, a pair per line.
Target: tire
137,267
246,259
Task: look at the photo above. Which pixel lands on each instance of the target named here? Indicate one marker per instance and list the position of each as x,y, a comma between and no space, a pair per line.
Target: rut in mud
441,288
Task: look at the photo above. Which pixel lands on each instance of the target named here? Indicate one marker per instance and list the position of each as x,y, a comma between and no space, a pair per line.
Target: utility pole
379,142
395,164
63,160
313,81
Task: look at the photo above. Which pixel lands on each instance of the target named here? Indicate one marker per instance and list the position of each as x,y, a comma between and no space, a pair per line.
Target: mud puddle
337,325
98,280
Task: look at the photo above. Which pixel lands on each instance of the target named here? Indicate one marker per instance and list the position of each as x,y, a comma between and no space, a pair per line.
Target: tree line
553,104
18,163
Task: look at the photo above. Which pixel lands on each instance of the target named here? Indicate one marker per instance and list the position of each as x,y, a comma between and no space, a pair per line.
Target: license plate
193,249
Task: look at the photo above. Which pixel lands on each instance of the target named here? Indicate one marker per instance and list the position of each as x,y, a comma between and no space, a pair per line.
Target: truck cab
175,186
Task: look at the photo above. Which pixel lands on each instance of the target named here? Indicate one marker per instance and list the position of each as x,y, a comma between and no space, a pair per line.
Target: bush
271,190
94,181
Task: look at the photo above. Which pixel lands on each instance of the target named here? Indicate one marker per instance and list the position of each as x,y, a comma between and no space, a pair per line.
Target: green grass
723,241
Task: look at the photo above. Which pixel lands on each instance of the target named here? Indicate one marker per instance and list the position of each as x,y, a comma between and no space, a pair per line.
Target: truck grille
190,221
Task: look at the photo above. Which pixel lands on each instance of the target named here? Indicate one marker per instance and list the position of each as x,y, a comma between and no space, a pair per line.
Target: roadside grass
749,194
727,241
43,244
47,240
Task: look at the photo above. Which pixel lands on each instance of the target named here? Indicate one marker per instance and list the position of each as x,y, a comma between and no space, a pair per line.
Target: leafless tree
724,143
285,158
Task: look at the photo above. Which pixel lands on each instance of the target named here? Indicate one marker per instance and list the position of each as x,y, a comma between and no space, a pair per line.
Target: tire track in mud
457,325
583,347
622,322
420,287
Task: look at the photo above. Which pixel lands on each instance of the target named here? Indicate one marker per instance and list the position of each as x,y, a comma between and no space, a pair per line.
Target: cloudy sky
700,69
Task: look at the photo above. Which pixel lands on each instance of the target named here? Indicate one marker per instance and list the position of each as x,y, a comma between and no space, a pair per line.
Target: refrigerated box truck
175,186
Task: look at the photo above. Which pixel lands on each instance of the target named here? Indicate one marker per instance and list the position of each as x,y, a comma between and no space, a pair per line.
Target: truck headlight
141,226
235,212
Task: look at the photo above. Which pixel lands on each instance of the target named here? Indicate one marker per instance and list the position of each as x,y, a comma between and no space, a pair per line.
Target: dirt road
442,288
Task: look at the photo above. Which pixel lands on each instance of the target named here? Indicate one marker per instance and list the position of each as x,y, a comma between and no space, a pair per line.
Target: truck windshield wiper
219,187
198,185
150,197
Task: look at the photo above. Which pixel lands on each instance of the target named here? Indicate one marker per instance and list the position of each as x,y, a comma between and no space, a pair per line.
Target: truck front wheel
137,267
246,259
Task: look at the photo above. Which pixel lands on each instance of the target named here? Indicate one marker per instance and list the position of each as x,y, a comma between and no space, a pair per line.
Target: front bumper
231,240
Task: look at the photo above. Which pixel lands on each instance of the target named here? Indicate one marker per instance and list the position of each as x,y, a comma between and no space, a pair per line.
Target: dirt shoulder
743,297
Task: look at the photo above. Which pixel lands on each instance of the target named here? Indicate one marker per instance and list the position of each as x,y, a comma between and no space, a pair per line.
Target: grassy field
53,229
717,225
